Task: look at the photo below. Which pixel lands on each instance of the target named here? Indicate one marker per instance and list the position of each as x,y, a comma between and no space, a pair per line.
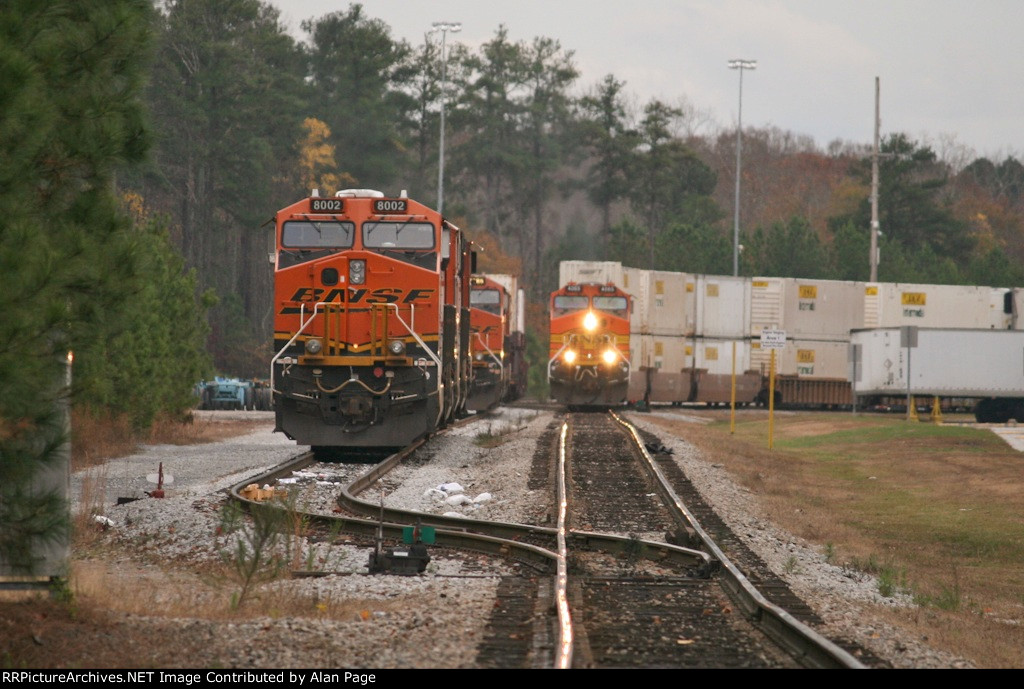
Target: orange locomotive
497,341
589,363
371,322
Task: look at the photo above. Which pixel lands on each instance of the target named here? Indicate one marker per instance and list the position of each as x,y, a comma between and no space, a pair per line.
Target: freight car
589,345
371,323
497,342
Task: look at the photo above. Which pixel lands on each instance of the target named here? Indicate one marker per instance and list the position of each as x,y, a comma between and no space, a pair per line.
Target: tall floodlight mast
444,28
740,65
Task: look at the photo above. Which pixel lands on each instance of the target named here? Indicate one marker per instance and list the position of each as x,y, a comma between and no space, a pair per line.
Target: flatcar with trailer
371,324
497,341
589,345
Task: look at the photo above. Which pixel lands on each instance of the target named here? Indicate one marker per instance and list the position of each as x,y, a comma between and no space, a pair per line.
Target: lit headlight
357,271
590,321
313,346
479,356
396,347
609,356
569,356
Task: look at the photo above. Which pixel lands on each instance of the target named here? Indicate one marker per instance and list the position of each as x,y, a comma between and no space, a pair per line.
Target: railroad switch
410,559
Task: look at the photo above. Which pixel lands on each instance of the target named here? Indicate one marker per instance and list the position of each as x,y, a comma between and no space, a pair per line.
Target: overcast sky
948,68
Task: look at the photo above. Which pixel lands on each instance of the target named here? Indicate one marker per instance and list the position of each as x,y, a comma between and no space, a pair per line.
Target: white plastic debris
288,480
453,514
483,497
434,493
450,488
456,500
103,521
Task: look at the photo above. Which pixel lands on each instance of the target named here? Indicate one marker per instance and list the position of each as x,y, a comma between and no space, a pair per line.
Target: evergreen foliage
69,116
228,98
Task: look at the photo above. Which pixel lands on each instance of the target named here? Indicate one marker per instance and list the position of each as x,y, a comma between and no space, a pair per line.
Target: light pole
444,28
740,65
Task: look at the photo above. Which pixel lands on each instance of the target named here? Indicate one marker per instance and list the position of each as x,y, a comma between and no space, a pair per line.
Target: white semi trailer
987,365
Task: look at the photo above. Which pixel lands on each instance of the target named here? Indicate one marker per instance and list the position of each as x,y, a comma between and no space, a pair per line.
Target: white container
893,304
946,362
663,301
671,307
811,359
715,355
807,309
669,353
636,282
601,272
723,306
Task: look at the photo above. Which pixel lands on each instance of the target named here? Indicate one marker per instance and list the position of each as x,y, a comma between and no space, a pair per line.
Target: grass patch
907,502
95,438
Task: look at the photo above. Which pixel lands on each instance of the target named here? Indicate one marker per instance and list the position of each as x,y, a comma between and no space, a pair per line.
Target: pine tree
69,116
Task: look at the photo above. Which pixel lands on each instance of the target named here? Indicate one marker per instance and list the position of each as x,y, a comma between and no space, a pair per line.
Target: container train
589,363
685,328
497,341
371,325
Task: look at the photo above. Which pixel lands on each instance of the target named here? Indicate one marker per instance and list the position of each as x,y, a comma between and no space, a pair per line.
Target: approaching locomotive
497,341
371,322
589,364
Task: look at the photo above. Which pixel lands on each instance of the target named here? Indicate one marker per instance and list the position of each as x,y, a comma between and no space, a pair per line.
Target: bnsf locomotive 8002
589,364
372,321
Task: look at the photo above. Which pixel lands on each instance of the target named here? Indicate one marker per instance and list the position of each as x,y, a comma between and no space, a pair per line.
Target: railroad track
606,571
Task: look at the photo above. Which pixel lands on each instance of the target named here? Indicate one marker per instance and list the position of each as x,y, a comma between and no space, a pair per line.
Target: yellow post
771,401
732,395
936,410
912,412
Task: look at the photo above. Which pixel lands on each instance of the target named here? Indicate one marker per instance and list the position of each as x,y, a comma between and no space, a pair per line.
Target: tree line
247,119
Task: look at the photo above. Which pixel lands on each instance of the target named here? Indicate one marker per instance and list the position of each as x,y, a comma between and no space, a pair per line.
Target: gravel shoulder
155,587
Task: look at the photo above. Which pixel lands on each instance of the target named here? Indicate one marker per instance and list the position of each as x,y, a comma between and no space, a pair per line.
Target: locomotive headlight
569,356
396,347
479,356
357,271
590,321
609,356
314,346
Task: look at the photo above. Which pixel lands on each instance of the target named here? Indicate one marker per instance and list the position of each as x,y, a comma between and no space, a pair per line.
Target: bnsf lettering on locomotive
417,295
390,206
384,295
388,295
308,294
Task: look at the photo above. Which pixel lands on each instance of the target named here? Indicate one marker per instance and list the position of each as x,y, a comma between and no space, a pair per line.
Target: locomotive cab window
411,242
567,304
398,235
617,306
309,234
488,300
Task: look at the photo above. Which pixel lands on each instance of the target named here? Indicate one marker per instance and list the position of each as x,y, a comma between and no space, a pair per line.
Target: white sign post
772,339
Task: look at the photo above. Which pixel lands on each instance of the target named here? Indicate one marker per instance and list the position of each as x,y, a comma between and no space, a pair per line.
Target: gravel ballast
436,619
